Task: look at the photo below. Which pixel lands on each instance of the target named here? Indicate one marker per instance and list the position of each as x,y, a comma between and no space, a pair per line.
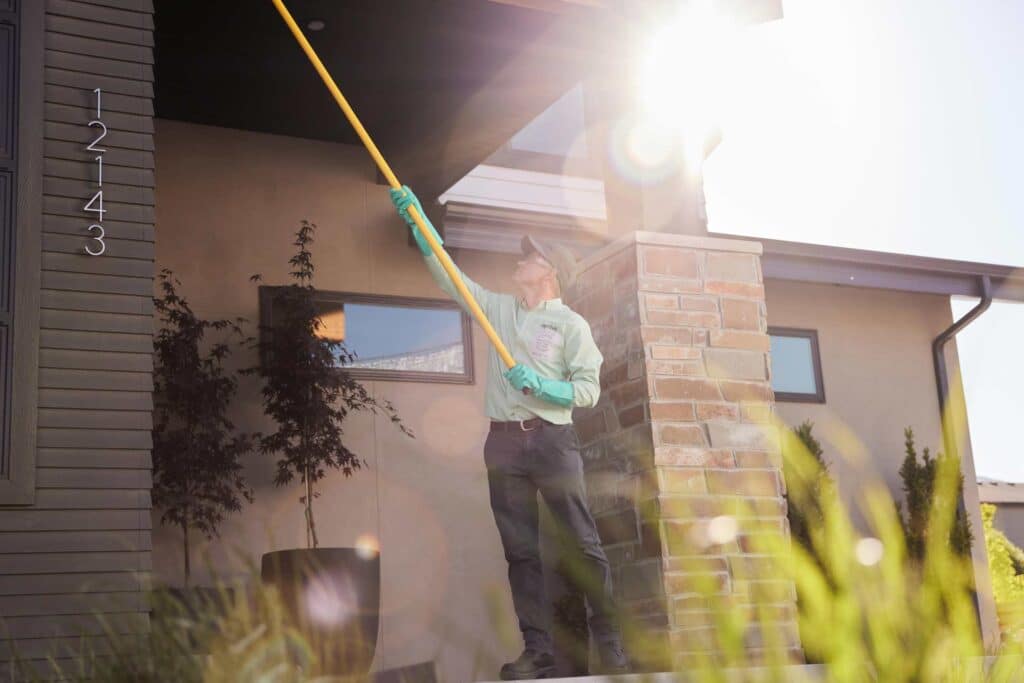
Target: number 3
98,238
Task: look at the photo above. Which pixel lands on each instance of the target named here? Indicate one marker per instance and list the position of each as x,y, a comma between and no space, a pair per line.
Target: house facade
704,336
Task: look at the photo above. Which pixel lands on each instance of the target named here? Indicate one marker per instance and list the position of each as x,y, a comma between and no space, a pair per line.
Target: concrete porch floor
811,673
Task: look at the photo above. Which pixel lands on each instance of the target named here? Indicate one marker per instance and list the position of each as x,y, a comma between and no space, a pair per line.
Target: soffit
439,84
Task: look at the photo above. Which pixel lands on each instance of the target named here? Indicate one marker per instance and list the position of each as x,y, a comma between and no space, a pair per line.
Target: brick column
680,444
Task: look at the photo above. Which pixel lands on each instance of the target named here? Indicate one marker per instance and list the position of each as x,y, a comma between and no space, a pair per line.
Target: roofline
990,492
487,228
805,262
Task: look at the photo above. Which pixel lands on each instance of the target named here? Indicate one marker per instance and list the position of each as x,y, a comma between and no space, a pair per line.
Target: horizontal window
393,338
796,365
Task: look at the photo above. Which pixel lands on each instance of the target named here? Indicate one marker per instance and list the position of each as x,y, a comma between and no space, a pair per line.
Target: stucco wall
877,371
229,203
1010,520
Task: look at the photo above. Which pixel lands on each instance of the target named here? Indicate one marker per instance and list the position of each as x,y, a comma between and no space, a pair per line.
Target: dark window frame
266,297
18,482
798,397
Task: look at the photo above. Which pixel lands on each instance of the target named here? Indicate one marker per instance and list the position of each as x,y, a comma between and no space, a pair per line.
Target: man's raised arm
403,199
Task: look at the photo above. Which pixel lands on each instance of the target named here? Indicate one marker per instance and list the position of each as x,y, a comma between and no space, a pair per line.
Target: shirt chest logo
547,343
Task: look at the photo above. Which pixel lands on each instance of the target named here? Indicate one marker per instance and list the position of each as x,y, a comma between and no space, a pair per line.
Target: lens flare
869,551
685,76
722,529
331,600
367,546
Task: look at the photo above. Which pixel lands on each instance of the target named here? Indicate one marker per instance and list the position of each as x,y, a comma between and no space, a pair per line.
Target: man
532,446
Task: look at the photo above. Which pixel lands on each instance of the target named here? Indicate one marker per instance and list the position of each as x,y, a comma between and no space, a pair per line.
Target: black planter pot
333,597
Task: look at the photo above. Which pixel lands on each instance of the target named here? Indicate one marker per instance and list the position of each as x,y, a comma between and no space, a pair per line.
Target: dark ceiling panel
439,84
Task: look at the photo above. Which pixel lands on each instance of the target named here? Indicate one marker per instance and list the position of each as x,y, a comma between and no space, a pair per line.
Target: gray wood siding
83,547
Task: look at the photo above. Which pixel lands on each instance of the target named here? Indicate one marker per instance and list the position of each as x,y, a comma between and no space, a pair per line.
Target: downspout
942,382
939,359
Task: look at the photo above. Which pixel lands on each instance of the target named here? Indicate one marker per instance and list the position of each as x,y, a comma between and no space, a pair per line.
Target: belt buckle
523,427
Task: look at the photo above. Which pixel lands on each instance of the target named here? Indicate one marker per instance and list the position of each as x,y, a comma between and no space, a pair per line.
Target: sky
894,126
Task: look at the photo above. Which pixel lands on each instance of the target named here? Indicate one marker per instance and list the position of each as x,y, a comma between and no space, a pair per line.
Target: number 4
100,210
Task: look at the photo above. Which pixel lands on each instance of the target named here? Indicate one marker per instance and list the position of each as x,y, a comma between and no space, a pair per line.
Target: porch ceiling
439,84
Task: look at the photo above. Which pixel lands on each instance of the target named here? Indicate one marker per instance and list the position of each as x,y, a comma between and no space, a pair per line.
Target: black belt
518,425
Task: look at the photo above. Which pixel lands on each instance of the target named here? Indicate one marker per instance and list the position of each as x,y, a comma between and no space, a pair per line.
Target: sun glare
684,76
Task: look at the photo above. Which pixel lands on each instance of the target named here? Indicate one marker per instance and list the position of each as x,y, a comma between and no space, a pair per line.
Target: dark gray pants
546,459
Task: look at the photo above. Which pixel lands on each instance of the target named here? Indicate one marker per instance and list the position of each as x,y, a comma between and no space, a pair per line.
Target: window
394,338
554,142
796,365
21,149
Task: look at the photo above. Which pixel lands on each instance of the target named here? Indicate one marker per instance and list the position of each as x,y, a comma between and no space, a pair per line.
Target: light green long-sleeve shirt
552,339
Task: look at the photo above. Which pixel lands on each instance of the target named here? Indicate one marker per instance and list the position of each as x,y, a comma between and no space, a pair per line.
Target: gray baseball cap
557,255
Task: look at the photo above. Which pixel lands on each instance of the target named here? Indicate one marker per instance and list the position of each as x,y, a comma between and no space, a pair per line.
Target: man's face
532,269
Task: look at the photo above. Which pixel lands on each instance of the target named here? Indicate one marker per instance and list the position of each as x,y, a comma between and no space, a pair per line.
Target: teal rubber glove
523,377
555,391
403,199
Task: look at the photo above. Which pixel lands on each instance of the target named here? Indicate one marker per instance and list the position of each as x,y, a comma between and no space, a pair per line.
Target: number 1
99,95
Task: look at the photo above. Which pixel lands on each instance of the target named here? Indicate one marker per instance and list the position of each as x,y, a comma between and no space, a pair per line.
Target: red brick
735,289
756,412
682,480
746,391
744,482
757,459
707,564
627,394
686,389
686,435
708,304
622,265
732,268
666,335
595,276
684,318
669,285
670,261
677,412
689,368
701,584
740,314
673,352
736,364
680,456
595,304
717,411
632,416
731,339
661,302
614,374
591,427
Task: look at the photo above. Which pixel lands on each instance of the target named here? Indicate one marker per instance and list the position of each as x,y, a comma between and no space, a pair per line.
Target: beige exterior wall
876,363
877,371
229,203
1010,520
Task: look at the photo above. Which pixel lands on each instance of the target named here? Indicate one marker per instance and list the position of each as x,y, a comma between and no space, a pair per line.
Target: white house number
95,205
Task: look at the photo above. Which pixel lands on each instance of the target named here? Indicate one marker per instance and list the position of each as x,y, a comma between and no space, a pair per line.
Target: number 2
92,145
98,238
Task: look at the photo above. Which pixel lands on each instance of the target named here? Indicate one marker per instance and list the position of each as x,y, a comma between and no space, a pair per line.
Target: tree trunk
310,523
188,566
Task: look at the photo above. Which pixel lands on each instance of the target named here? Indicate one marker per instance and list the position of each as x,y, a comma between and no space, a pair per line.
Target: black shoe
613,659
531,664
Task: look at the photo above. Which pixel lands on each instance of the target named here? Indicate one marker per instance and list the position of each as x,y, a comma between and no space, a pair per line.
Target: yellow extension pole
442,256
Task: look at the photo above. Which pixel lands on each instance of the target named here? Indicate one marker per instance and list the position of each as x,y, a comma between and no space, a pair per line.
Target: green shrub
920,491
807,487
1006,566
